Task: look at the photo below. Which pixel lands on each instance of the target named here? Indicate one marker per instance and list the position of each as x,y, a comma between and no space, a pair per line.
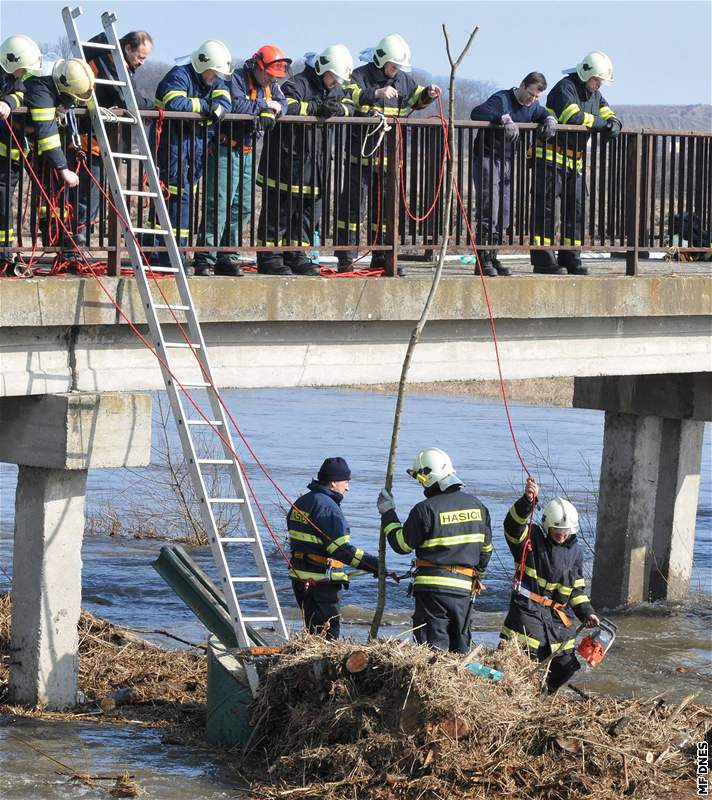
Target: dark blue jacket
248,97
292,159
448,529
182,89
42,99
492,110
327,540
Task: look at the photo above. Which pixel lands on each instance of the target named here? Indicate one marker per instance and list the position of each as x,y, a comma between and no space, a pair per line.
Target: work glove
331,108
511,131
217,111
265,122
612,129
547,129
385,502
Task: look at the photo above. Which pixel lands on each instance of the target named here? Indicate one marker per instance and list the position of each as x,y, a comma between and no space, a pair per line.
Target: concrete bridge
72,373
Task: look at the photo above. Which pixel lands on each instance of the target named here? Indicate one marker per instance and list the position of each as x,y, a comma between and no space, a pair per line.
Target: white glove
385,502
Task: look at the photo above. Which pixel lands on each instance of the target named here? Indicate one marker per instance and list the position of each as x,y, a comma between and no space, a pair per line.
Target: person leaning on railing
255,91
492,162
198,87
382,86
575,100
19,55
292,169
48,98
136,47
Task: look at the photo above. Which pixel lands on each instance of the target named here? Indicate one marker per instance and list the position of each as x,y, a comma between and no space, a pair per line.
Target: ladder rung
260,619
214,460
98,45
214,423
225,500
248,580
136,193
195,385
154,231
181,344
149,268
237,539
134,156
108,82
176,308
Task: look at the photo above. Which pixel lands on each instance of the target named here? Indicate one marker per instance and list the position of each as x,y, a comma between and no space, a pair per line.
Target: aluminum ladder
228,472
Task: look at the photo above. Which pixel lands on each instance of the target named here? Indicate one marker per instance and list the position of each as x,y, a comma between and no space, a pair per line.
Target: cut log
356,662
454,727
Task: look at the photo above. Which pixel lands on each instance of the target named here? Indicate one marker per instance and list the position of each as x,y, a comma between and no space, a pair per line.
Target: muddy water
661,647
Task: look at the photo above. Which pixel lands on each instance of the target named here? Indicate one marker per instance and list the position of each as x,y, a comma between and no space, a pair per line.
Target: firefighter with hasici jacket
49,99
228,180
548,585
382,86
451,534
319,538
19,55
558,164
136,47
197,87
292,169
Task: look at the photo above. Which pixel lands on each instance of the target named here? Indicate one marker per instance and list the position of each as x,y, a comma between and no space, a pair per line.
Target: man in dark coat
320,541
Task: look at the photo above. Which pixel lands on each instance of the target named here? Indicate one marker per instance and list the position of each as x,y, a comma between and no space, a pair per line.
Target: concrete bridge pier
55,440
650,479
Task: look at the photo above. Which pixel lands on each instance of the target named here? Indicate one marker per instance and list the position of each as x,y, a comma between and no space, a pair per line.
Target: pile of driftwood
392,720
124,677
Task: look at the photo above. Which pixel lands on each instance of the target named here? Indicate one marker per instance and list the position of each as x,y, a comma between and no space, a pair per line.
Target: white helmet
73,76
337,59
20,52
595,65
559,513
433,465
393,48
212,54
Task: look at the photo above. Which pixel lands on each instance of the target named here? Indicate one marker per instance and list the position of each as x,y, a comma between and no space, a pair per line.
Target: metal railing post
392,209
632,204
114,242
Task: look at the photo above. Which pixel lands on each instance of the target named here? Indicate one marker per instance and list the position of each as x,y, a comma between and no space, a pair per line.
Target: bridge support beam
55,440
649,486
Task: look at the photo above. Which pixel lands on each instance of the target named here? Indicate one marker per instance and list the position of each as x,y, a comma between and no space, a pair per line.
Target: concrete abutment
55,440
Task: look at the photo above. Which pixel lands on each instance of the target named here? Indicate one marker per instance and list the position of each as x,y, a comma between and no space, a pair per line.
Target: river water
661,647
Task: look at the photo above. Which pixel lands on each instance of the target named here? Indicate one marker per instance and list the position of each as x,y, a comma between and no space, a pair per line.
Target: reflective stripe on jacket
551,570
328,537
450,528
292,159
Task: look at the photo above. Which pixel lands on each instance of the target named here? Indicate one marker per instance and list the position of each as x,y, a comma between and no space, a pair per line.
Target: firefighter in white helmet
19,55
199,87
47,98
292,168
575,100
549,583
382,86
451,534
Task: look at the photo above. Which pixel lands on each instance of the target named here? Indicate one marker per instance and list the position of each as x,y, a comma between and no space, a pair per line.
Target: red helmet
272,60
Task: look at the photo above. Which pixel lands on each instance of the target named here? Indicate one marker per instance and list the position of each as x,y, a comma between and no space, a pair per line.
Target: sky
661,51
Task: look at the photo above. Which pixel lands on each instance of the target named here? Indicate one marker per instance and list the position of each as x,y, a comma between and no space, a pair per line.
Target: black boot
487,264
227,266
346,260
505,272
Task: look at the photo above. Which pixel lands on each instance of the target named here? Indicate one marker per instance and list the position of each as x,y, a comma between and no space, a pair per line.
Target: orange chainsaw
594,646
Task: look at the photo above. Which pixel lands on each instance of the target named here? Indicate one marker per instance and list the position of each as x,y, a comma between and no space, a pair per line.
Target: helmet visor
279,68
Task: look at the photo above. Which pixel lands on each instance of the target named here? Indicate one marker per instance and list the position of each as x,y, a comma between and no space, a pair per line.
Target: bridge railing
384,191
